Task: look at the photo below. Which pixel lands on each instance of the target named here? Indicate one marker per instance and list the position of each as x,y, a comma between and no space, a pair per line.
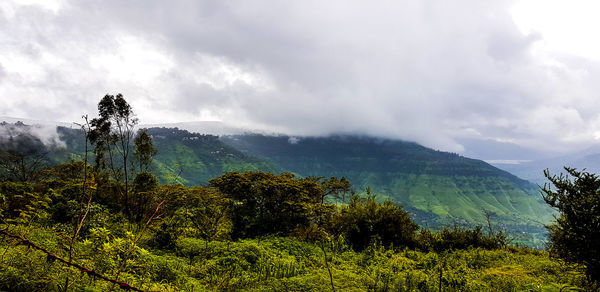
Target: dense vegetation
197,158
113,224
196,239
439,188
575,236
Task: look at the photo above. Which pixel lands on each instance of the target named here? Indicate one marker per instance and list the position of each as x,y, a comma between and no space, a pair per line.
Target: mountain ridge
440,188
411,174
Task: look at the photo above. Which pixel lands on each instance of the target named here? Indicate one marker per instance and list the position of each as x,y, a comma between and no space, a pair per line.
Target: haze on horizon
431,71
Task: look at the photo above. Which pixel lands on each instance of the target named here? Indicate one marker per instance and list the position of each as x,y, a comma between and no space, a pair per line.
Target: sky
431,71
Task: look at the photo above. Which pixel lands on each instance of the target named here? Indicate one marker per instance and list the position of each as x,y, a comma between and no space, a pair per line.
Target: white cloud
566,26
132,60
428,71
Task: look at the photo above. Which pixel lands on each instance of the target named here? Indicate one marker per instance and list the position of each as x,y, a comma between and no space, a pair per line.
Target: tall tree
335,187
144,149
112,135
575,236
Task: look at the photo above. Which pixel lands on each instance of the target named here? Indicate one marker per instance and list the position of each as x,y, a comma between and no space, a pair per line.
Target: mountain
200,158
492,150
216,128
189,158
438,188
444,186
533,171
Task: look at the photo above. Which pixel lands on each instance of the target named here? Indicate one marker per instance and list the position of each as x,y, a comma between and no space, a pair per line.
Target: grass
285,264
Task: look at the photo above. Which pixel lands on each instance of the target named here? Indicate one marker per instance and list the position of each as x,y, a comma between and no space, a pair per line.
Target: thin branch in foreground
135,244
52,257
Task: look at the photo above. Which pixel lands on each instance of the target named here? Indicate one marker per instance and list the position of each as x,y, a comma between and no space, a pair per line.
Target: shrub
364,221
265,203
457,238
575,236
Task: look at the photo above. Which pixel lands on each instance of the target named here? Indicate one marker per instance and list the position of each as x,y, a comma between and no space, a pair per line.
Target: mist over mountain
439,188
497,151
217,128
533,171
446,185
44,131
300,145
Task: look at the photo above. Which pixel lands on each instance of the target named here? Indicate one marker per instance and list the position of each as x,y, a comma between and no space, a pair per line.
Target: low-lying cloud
46,133
429,71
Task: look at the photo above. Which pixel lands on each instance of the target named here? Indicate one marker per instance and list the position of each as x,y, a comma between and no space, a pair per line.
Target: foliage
209,211
436,188
265,203
67,172
285,264
144,185
184,251
459,238
575,236
111,135
20,204
144,149
334,187
365,221
440,187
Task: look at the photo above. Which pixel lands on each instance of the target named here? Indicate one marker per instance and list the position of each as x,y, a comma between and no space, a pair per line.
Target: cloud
418,70
46,133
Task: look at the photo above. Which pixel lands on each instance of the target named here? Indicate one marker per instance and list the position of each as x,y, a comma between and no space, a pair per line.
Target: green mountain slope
191,158
200,157
439,188
453,188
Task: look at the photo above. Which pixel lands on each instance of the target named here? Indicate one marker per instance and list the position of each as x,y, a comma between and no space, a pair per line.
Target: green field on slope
438,188
189,158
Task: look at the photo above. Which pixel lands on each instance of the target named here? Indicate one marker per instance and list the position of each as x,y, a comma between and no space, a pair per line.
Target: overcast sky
431,71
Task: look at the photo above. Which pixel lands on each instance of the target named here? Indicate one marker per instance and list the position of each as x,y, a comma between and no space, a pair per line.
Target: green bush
364,221
265,203
458,238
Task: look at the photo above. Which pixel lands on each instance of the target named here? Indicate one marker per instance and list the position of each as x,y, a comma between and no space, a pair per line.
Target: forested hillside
71,220
441,187
438,188
189,158
69,231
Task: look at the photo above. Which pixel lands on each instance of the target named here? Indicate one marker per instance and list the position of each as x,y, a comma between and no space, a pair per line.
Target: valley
439,188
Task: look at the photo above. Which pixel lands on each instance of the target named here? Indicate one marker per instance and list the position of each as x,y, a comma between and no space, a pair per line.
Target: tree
144,185
144,149
111,134
575,236
333,187
266,203
209,211
364,221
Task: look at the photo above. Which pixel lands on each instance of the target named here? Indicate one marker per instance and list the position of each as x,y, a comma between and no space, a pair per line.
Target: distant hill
191,158
438,188
443,186
534,170
200,157
205,127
